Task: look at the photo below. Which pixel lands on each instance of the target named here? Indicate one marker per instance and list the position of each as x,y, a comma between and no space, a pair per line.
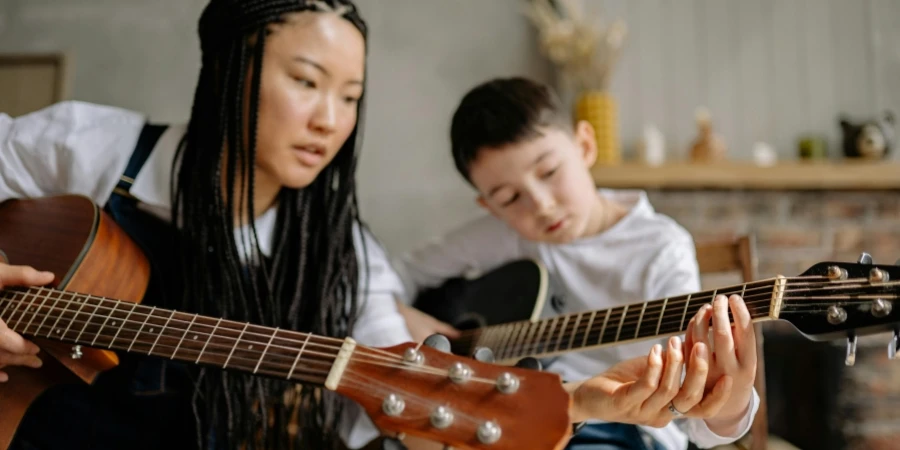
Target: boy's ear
482,202
585,138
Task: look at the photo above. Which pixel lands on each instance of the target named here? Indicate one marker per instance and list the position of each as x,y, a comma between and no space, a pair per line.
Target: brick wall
795,230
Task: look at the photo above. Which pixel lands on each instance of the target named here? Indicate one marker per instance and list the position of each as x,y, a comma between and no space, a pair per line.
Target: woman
267,225
248,213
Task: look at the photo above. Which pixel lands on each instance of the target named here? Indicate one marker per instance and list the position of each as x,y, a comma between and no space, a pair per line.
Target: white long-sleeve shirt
82,148
645,256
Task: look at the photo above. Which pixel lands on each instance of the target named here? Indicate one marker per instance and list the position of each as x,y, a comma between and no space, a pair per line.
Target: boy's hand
422,325
640,390
734,356
14,350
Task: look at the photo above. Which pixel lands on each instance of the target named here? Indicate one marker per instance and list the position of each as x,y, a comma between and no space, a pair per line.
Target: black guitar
500,309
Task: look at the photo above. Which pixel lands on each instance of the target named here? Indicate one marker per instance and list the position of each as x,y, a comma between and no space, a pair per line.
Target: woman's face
312,79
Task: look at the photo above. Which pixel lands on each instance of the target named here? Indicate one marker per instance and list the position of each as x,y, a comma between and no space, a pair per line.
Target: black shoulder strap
146,141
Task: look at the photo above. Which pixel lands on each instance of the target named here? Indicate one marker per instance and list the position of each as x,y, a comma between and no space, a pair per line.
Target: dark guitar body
73,238
512,292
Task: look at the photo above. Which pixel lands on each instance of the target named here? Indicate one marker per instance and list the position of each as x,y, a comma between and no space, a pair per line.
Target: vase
600,109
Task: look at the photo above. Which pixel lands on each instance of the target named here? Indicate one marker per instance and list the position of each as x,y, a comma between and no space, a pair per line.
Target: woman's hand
14,349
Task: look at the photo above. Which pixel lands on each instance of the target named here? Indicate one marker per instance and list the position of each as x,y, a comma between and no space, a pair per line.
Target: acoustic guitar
501,309
92,309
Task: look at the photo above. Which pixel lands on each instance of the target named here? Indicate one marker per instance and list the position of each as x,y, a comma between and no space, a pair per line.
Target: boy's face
542,188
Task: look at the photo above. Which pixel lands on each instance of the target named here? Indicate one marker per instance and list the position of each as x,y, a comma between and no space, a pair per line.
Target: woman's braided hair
308,283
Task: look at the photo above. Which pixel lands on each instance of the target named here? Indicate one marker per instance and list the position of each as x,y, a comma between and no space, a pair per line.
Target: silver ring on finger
675,412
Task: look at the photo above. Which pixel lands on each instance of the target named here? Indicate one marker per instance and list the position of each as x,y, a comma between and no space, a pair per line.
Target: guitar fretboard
105,323
652,319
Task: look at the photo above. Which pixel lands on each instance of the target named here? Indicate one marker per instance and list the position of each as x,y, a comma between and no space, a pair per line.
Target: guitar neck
636,322
106,323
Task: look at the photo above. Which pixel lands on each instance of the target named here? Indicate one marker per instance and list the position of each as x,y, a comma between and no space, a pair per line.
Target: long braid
311,280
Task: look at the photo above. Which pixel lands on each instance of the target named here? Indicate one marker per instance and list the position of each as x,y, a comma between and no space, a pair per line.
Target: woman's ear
586,140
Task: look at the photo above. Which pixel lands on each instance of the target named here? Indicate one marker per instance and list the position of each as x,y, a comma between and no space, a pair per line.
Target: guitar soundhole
470,321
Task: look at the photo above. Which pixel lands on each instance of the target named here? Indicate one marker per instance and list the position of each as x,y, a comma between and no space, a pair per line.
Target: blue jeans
610,436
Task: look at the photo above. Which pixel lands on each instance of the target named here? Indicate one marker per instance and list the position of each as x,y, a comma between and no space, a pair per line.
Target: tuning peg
865,258
894,345
529,362
393,444
484,354
851,351
438,342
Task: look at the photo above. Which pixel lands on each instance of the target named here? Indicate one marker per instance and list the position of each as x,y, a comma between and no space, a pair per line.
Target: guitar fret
661,314
100,331
17,309
684,313
502,338
90,314
52,309
297,359
743,289
637,329
603,328
60,316
75,316
537,338
587,331
34,313
138,333
529,344
562,332
124,321
515,333
550,334
621,321
575,329
186,331
9,301
236,343
161,332
211,334
265,350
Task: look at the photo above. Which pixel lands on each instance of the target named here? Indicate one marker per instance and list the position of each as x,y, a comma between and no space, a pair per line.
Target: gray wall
768,69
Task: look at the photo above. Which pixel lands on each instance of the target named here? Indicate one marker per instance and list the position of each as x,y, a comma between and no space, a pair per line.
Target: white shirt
645,256
81,148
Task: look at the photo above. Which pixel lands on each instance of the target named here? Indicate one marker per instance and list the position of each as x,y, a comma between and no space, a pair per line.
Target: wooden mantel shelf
740,175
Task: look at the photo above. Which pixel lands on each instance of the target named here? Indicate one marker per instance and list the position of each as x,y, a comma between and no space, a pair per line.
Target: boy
514,145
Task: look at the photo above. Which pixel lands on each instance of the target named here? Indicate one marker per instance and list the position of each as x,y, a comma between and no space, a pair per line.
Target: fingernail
675,343
701,352
657,349
46,273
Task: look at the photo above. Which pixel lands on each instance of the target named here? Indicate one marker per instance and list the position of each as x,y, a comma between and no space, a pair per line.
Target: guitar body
511,292
88,253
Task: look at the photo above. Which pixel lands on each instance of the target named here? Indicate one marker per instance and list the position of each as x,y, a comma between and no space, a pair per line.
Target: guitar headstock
456,400
834,300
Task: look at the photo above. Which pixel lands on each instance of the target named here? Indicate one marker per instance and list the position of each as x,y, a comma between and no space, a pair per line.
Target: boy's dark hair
500,112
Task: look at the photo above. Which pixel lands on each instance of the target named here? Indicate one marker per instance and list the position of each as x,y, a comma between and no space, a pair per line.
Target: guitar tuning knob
851,351
484,354
438,342
529,362
894,345
865,258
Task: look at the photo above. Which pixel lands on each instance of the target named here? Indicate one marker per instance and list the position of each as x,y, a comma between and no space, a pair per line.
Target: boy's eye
550,173
511,200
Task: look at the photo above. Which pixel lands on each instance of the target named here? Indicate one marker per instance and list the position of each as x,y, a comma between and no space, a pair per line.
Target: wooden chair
730,256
